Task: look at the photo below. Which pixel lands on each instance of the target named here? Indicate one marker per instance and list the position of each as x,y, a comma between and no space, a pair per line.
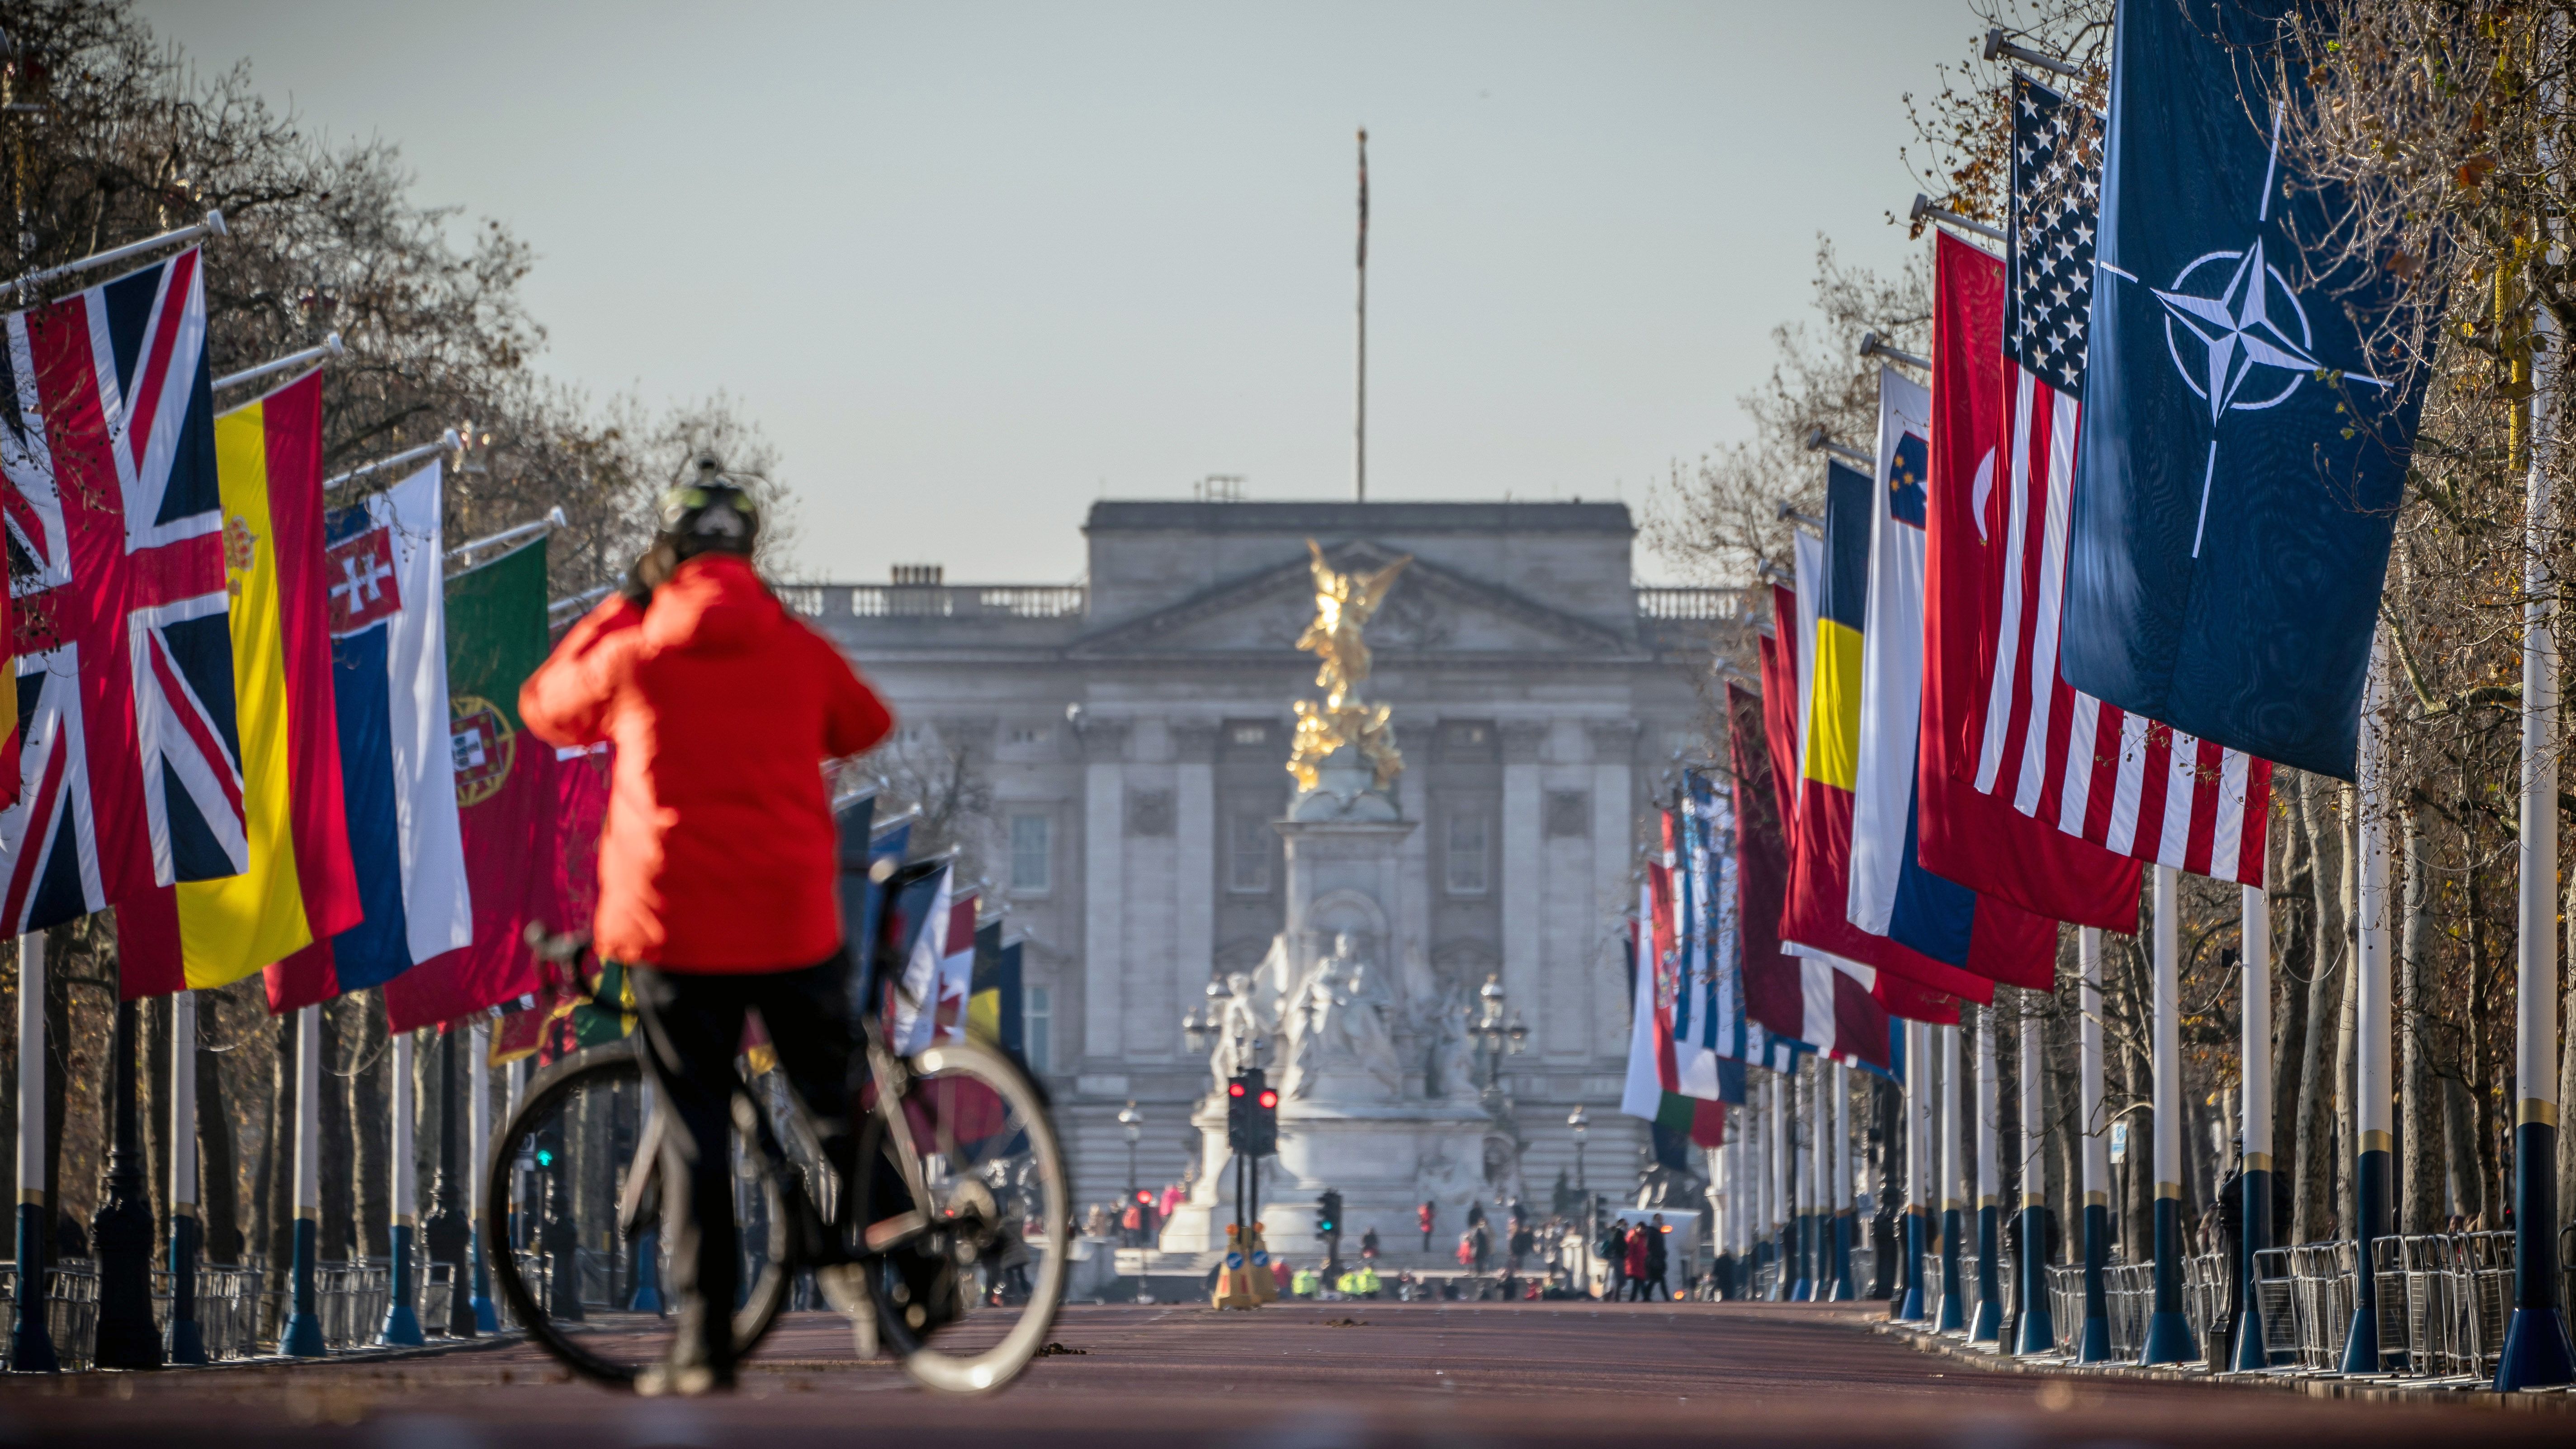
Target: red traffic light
1234,1089
1269,1099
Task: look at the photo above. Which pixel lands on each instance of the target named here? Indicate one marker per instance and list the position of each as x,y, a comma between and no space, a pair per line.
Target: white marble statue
1240,1025
1341,1021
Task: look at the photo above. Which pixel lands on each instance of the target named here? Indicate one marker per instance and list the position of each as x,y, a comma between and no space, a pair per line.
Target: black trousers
692,1031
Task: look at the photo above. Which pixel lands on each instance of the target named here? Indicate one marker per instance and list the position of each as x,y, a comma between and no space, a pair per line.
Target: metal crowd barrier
2444,1301
1864,1270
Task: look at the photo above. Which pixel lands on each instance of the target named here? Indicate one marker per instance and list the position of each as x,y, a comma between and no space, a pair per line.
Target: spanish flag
300,885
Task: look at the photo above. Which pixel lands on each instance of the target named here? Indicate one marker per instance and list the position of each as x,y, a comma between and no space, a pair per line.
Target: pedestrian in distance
1633,1254
1612,1250
719,861
1368,1245
1659,1258
1425,1215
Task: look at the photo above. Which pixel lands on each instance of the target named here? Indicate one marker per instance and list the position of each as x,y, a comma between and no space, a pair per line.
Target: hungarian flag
1652,1088
506,797
298,884
1962,833
1816,914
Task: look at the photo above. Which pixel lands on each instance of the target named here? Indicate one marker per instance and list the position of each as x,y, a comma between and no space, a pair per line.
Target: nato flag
2243,452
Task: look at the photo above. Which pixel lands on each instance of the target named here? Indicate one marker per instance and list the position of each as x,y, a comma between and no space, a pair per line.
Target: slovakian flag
1963,833
297,885
130,764
388,626
507,802
2245,442
1824,1005
2060,756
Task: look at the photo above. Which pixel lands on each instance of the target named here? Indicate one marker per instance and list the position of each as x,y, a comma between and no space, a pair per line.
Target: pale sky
973,266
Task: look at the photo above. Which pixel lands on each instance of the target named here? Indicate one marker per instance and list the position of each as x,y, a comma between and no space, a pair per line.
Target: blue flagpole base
402,1323
1988,1325
1954,1311
2169,1340
31,1345
187,1343
2250,1355
2038,1332
303,1337
485,1319
648,1273
2361,1342
2093,1345
2536,1352
1909,1309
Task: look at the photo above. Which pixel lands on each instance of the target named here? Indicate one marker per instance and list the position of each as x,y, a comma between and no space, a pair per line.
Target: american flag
2124,782
117,555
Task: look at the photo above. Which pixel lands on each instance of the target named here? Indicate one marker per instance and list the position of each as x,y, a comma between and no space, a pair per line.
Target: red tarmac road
1294,1377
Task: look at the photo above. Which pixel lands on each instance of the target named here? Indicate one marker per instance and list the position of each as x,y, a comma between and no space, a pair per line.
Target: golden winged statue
1344,603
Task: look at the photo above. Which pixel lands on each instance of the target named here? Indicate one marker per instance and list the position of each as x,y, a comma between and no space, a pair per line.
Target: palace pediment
1431,610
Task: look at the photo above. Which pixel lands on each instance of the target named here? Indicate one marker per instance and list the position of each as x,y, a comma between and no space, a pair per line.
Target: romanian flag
300,885
1816,914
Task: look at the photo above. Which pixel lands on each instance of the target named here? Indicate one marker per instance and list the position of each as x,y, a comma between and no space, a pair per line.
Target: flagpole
1988,1324
302,1336
1782,1209
1918,1176
1802,1202
187,1342
478,1121
447,442
31,1345
2169,1338
402,1319
1953,1166
2372,1027
2256,1068
1843,1292
2537,1353
2038,1322
1359,394
212,226
2094,1344
1819,1185
330,348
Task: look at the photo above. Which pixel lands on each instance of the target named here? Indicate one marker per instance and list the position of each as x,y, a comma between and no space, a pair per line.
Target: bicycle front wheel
970,1280
576,1242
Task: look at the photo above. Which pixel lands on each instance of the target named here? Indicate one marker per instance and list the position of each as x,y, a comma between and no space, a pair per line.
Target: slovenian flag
397,770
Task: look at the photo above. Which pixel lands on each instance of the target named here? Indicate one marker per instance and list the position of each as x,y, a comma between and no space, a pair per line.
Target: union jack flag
130,761
2132,785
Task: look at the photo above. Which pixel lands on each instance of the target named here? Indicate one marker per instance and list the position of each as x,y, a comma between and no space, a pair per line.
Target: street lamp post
1497,1037
1134,1124
1581,1125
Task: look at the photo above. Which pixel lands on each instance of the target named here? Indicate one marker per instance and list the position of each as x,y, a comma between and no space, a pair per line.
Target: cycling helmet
707,512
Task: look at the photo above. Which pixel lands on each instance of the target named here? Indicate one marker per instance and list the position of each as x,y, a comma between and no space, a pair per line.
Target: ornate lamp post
1496,1036
1134,1124
1581,1125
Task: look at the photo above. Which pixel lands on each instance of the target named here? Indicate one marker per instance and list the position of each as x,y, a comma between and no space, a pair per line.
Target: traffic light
1238,1113
1260,1114
1328,1214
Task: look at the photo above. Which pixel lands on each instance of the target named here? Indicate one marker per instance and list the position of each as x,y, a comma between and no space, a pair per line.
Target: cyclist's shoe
682,1381
921,1286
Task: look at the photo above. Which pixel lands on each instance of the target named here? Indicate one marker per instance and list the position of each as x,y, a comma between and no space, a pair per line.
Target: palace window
1032,858
1037,1027
1466,847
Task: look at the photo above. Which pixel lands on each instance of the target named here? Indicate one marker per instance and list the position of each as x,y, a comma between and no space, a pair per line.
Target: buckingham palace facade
1122,746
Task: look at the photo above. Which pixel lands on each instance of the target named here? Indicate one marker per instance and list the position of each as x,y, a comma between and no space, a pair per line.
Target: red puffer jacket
719,852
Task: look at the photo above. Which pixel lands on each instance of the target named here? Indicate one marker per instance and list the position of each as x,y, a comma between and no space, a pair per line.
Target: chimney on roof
917,576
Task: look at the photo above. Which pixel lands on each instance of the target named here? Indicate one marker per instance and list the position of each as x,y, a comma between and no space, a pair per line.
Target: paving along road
1303,1375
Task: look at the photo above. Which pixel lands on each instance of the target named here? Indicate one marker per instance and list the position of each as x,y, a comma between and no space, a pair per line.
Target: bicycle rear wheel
966,1300
581,1263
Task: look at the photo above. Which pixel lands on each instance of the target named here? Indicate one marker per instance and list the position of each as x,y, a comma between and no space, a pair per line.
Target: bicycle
959,1269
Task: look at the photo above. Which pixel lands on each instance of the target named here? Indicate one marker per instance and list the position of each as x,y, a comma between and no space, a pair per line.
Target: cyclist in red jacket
718,861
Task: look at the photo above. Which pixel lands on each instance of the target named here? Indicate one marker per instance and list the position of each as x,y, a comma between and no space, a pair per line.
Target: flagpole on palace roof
1359,401
329,348
212,226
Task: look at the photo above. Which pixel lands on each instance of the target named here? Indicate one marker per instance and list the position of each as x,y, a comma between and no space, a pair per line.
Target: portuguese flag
506,796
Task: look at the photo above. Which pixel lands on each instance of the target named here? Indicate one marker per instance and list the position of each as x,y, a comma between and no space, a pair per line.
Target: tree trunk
218,1165
2460,1131
277,1155
2293,965
2347,1141
2420,1128
59,1025
2312,1211
2567,1054
2481,1062
155,1109
371,1123
337,1205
